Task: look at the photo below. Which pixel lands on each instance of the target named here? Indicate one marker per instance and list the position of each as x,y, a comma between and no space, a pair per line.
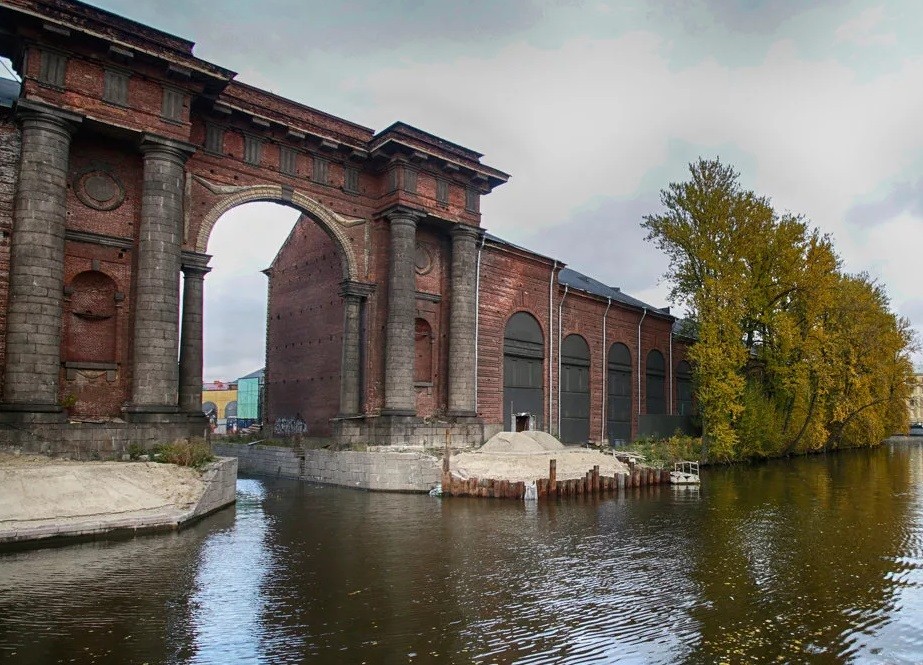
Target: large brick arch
327,219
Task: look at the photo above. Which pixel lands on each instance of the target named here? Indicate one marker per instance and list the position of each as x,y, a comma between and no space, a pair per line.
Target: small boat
685,473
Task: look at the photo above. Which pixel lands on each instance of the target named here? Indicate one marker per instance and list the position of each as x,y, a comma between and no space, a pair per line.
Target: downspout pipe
602,392
554,269
639,359
477,316
671,368
560,318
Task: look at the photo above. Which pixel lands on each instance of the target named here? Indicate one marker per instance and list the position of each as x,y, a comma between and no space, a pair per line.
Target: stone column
462,321
351,368
399,346
33,326
155,368
190,348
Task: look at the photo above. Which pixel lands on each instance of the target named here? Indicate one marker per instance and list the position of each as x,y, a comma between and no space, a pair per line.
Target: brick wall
9,172
305,330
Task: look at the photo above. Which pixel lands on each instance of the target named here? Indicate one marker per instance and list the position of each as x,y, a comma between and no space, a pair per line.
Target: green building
250,398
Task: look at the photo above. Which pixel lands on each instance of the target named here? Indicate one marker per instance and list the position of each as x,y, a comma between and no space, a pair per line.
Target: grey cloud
906,197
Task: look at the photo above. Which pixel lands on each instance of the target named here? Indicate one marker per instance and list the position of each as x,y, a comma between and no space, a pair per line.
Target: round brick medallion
423,259
98,189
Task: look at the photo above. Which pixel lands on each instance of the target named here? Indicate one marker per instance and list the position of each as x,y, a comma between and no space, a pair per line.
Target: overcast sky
593,107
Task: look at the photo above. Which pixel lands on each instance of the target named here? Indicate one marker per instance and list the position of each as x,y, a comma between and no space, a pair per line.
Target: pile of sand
521,443
525,456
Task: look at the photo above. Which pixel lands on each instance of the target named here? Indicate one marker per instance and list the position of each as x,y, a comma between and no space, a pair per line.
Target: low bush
184,452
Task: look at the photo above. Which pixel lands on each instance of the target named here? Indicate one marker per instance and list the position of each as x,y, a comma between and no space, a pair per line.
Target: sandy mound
572,463
511,442
545,440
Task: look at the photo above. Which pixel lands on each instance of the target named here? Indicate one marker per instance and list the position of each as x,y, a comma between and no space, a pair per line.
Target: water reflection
815,559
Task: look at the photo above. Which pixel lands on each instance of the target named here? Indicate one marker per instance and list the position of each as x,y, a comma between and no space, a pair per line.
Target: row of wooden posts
591,484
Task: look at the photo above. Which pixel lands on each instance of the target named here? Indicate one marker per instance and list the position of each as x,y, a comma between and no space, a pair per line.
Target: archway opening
656,383
618,384
272,303
575,390
523,363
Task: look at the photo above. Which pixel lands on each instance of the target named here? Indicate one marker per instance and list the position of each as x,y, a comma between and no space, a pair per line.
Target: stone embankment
43,498
374,470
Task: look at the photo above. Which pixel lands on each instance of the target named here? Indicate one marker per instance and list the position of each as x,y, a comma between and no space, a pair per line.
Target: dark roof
258,374
9,92
577,280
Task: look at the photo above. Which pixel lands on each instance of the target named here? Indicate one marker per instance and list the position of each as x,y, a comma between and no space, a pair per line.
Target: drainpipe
560,318
551,343
671,368
477,316
639,359
602,410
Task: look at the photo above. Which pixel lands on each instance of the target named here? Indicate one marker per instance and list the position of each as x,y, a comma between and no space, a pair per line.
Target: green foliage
184,452
662,453
135,450
792,354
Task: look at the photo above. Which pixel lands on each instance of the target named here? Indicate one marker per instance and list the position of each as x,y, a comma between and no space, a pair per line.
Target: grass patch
195,453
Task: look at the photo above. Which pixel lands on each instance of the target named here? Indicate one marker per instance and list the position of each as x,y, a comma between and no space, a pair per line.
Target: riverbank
42,498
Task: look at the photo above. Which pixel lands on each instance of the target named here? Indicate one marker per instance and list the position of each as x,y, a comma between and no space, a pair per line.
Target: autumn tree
792,355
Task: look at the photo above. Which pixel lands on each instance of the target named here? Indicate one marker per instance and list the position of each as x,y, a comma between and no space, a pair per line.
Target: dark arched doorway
575,390
684,400
523,362
656,383
618,382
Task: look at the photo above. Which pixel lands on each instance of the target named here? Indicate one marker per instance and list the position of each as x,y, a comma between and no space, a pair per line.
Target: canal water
807,560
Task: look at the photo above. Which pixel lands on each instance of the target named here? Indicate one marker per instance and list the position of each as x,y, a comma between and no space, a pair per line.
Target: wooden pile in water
591,484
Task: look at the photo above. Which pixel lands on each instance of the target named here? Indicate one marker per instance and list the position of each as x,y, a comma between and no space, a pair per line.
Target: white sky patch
862,30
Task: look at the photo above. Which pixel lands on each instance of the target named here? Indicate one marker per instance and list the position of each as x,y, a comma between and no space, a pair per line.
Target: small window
319,172
214,138
410,181
442,192
115,88
253,150
288,160
392,179
472,200
351,179
53,66
173,101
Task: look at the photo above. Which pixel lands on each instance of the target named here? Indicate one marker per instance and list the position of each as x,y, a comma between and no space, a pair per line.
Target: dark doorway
523,363
575,390
684,403
656,382
618,407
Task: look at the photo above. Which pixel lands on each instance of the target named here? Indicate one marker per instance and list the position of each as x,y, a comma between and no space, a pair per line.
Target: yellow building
219,402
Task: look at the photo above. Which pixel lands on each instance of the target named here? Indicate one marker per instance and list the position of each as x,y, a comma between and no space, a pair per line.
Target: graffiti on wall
289,427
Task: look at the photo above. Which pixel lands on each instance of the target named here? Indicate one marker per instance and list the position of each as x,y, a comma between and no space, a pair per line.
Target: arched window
656,382
210,409
230,409
423,361
523,362
575,390
90,331
619,388
684,400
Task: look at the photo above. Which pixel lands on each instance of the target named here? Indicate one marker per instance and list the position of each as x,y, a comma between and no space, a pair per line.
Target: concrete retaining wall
379,471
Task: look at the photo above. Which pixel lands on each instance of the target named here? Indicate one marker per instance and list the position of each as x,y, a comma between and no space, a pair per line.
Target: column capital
179,151
404,215
194,264
353,289
465,231
35,113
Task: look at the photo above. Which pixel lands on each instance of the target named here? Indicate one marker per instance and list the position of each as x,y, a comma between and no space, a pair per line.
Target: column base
404,413
23,414
154,413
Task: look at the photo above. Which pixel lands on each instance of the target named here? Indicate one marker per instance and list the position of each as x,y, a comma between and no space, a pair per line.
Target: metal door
575,390
619,388
523,364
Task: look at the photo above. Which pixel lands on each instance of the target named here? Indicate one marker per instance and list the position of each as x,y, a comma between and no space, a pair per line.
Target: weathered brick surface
305,330
9,174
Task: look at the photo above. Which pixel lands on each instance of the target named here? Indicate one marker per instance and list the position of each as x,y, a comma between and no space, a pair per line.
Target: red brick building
390,311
